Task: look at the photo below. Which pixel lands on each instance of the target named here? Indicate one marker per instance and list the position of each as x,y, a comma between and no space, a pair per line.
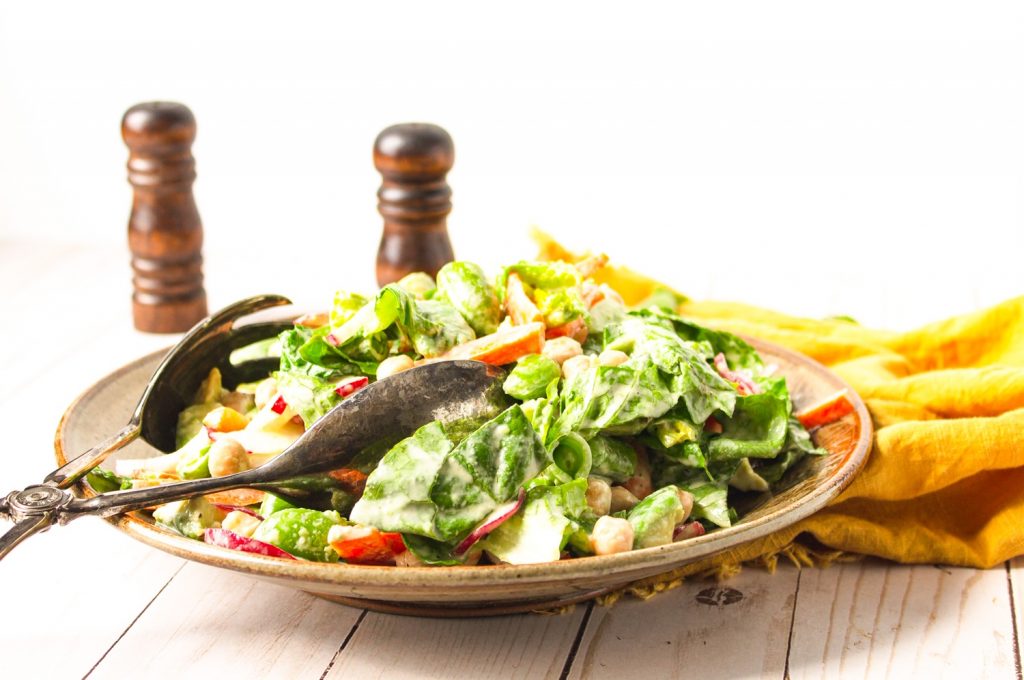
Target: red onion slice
491,522
688,530
744,384
225,538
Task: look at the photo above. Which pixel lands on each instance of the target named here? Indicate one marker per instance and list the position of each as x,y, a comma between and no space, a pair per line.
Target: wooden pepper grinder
165,234
415,199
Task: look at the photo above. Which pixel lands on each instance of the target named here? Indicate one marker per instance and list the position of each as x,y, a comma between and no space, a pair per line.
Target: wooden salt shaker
415,199
165,234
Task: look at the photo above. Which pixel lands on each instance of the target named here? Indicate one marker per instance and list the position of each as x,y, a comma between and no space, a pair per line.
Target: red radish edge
744,385
239,508
490,523
331,340
688,530
351,385
279,406
225,538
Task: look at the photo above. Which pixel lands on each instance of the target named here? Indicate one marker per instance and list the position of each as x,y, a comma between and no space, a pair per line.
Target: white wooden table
86,601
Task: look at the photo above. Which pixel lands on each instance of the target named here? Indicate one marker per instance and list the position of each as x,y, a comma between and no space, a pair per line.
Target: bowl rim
647,560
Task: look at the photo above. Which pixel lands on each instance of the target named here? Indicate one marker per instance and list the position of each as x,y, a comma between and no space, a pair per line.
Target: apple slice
225,538
490,523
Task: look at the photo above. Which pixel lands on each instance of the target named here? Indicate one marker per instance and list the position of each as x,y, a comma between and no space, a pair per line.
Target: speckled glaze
491,590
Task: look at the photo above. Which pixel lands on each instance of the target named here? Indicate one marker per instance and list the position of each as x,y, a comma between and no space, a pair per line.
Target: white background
819,158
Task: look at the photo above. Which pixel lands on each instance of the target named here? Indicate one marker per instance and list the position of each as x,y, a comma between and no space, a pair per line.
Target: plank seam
344,643
1013,621
567,666
137,617
792,623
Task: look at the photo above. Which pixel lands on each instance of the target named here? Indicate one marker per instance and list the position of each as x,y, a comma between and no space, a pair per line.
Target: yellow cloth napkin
945,478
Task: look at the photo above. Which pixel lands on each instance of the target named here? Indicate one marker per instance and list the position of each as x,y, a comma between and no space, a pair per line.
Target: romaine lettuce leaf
692,378
544,275
737,351
431,326
539,531
345,306
612,458
604,397
757,428
309,395
426,485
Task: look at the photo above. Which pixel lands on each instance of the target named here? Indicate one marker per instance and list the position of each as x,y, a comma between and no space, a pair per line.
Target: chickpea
611,535
393,365
227,457
561,349
576,365
622,499
686,498
640,484
599,496
265,392
241,523
612,357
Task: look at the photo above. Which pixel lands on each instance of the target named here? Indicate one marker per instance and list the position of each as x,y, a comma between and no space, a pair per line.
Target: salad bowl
494,589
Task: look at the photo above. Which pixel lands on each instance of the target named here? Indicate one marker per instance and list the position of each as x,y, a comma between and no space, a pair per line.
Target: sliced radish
351,384
491,522
688,530
225,538
331,340
744,384
226,507
279,406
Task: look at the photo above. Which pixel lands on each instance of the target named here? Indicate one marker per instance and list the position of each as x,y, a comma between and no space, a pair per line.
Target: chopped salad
627,428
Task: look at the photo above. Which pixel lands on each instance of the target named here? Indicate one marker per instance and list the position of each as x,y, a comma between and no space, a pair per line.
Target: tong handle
116,502
75,469
22,530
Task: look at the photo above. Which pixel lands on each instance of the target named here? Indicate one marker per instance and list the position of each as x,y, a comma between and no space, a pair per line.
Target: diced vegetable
229,539
518,305
828,411
365,545
301,532
502,347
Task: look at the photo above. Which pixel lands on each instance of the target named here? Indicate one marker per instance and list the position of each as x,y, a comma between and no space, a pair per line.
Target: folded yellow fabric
945,479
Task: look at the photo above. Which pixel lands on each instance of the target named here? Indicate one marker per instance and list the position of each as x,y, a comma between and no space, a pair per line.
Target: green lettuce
757,428
428,486
466,288
540,531
655,517
531,377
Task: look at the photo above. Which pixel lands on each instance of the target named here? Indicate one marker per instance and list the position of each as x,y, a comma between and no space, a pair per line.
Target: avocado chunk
272,504
189,517
655,518
301,532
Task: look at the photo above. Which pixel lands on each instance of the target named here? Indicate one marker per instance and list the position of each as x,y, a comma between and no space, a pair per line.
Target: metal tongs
382,413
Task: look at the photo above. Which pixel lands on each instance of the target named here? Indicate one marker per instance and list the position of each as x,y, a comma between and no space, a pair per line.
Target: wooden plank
393,647
70,593
1015,576
213,623
876,619
702,629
